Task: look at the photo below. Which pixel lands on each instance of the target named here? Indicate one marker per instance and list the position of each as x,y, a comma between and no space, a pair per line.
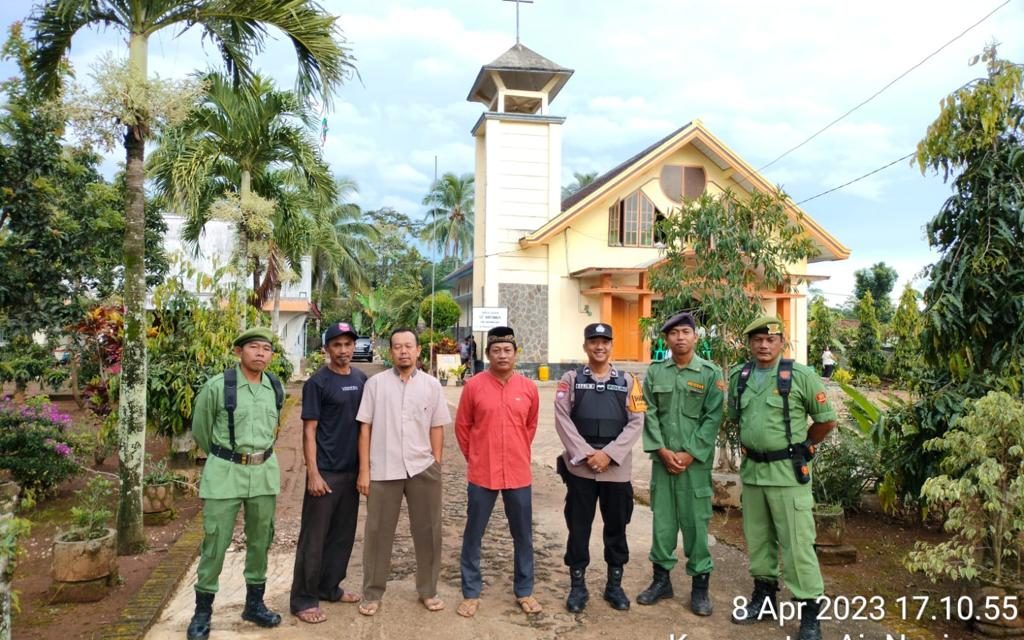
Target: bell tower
518,182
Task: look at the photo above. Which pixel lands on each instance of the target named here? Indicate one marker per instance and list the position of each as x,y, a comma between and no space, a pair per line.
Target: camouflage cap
251,335
770,325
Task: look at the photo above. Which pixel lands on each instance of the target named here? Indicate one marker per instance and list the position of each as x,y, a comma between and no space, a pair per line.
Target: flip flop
529,604
433,603
314,615
369,607
467,608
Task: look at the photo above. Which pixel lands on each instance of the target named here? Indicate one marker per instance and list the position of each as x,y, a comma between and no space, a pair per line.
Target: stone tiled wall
528,316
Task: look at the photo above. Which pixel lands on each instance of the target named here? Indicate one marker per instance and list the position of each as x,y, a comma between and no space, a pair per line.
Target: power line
880,91
869,173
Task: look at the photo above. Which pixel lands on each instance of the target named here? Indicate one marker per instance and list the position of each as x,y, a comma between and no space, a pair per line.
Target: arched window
631,222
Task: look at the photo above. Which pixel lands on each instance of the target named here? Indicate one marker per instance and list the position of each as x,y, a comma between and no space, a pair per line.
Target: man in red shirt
495,426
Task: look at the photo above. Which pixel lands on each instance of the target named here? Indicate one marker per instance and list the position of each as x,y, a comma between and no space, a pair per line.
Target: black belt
767,456
241,458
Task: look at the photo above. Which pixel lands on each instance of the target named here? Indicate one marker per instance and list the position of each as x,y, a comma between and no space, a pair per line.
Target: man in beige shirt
401,436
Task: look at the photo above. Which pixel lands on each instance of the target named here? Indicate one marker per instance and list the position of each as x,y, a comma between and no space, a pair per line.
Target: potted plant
982,492
845,465
459,372
157,487
86,553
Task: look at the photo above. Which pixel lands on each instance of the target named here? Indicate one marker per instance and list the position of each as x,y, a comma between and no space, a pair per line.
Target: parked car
364,349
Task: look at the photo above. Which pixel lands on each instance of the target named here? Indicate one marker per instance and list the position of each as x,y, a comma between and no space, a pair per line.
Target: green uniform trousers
775,517
219,517
680,506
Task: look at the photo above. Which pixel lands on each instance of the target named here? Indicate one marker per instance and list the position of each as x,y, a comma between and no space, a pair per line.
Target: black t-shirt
333,400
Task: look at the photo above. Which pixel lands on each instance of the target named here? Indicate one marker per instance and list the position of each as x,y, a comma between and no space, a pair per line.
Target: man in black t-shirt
330,400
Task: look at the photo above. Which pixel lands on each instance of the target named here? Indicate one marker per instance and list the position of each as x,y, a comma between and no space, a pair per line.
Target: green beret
251,335
770,325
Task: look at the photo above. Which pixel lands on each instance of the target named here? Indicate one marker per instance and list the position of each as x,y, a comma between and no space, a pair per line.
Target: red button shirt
495,426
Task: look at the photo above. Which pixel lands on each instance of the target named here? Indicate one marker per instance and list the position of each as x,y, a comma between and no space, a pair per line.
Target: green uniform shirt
684,408
255,424
762,427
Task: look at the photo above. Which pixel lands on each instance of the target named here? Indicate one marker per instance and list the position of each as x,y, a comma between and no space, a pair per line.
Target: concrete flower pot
830,524
157,497
81,561
990,622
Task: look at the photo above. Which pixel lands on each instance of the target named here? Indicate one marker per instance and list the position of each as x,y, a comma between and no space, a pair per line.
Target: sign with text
486,318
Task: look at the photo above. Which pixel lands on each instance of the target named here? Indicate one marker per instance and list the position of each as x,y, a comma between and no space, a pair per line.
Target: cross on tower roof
518,2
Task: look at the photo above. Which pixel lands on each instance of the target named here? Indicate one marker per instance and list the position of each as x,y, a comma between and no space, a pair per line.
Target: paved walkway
401,616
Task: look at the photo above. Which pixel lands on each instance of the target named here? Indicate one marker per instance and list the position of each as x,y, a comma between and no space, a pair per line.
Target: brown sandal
314,615
467,608
529,604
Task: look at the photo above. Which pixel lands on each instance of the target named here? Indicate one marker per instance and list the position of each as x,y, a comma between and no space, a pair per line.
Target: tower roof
520,68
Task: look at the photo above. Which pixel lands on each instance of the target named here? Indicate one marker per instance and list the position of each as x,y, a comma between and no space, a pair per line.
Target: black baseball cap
339,329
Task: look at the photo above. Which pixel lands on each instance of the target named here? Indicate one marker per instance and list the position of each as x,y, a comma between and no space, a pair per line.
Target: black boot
661,587
700,601
578,594
810,627
257,612
199,628
764,591
613,592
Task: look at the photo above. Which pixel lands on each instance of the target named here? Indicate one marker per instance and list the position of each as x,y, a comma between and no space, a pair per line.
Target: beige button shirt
401,415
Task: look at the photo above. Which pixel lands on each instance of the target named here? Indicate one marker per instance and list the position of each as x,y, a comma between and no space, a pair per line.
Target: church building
558,265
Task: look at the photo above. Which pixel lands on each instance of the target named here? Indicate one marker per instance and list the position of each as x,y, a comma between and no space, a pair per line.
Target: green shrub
982,484
34,445
845,466
446,310
868,380
158,473
315,360
842,376
90,516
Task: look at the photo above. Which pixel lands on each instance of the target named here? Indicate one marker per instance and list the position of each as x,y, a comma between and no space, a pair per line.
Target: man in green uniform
772,399
684,396
241,471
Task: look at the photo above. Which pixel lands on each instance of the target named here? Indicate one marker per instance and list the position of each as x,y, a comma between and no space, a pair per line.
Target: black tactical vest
599,408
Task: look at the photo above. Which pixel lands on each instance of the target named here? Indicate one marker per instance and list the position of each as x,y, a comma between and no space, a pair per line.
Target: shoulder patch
563,385
820,397
720,384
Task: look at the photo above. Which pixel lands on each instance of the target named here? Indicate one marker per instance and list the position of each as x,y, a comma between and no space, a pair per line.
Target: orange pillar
645,312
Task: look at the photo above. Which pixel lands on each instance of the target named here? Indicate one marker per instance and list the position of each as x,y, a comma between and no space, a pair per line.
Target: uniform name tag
585,385
615,387
695,385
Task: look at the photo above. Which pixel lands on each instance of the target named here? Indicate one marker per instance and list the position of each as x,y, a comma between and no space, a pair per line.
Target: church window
631,222
679,182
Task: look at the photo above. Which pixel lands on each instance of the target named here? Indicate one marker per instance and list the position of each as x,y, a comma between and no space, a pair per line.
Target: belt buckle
256,458
244,458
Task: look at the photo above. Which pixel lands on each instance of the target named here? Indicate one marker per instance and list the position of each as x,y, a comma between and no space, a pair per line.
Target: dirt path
403,617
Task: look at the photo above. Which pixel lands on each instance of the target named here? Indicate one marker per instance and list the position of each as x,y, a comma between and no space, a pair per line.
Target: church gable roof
716,151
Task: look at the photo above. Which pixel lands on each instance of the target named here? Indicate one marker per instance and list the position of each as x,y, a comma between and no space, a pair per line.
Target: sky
762,76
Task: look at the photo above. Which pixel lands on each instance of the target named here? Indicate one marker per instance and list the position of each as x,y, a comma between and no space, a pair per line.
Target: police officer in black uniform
598,421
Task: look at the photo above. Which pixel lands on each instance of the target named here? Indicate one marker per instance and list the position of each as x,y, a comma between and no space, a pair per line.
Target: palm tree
238,28
229,144
580,180
450,226
342,246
